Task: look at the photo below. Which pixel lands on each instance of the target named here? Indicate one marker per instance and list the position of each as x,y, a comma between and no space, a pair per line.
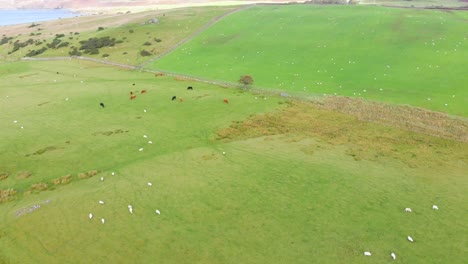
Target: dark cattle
102,105
174,97
57,72
226,101
133,84
131,93
132,97
190,88
143,91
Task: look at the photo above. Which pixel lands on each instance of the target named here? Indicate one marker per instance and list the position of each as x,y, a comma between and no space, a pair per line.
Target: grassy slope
173,26
274,199
341,50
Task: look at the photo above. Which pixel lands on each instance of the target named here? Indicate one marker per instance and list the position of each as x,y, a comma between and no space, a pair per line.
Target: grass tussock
23,175
3,176
7,195
39,187
62,180
88,174
363,140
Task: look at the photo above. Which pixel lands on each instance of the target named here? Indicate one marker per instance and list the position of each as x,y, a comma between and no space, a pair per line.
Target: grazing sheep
90,215
150,142
393,256
435,207
150,184
367,253
102,178
101,202
140,149
130,209
113,173
408,210
145,136
410,239
158,212
103,220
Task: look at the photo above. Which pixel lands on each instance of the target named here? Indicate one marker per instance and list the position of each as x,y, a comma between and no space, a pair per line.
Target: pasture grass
400,56
133,29
296,184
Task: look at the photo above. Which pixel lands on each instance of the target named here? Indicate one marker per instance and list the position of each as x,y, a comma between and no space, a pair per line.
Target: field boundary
408,117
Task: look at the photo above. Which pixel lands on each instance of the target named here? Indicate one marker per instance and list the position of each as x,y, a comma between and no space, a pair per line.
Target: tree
246,80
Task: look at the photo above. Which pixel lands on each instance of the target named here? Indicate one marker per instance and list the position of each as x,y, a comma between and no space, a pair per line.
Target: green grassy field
262,179
296,184
400,56
133,29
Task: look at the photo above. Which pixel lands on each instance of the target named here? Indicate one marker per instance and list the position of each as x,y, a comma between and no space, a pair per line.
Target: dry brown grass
363,140
7,195
39,187
63,180
23,175
407,117
3,175
88,174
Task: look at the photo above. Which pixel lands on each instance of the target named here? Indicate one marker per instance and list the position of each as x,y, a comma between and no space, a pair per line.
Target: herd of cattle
133,96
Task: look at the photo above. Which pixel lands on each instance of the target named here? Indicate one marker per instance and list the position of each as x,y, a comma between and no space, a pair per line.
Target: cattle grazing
226,101
131,93
57,72
133,84
101,104
143,91
132,97
159,74
190,88
181,99
174,97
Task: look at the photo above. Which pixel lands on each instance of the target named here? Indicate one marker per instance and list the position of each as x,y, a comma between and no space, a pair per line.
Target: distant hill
77,4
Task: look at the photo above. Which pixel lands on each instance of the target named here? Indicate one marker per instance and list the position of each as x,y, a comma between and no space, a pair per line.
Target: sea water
20,16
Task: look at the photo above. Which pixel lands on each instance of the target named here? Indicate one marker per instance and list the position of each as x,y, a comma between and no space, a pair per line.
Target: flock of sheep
410,239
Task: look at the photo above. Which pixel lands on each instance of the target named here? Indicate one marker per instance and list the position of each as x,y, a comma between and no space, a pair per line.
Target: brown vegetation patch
364,140
109,133
38,187
62,180
23,175
407,117
88,174
7,195
3,175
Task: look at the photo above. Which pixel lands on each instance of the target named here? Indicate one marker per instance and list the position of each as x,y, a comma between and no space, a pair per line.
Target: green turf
401,56
300,197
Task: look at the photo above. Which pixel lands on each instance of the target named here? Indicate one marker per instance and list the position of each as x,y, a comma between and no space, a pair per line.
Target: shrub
3,175
145,53
147,43
131,31
23,175
100,28
33,53
105,55
157,40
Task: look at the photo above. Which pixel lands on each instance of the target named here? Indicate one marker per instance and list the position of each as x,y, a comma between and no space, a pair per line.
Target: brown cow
226,101
132,97
181,99
143,91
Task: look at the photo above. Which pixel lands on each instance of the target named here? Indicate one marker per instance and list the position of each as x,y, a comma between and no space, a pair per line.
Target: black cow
102,105
133,84
190,88
174,97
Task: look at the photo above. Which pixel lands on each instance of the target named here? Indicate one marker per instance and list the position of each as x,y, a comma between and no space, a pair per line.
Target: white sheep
102,178
158,212
130,209
150,184
103,220
113,173
393,256
90,215
408,210
101,202
145,136
367,253
435,207
140,149
150,142
410,239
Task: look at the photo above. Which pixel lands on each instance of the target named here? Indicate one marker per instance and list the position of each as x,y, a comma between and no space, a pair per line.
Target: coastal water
19,16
